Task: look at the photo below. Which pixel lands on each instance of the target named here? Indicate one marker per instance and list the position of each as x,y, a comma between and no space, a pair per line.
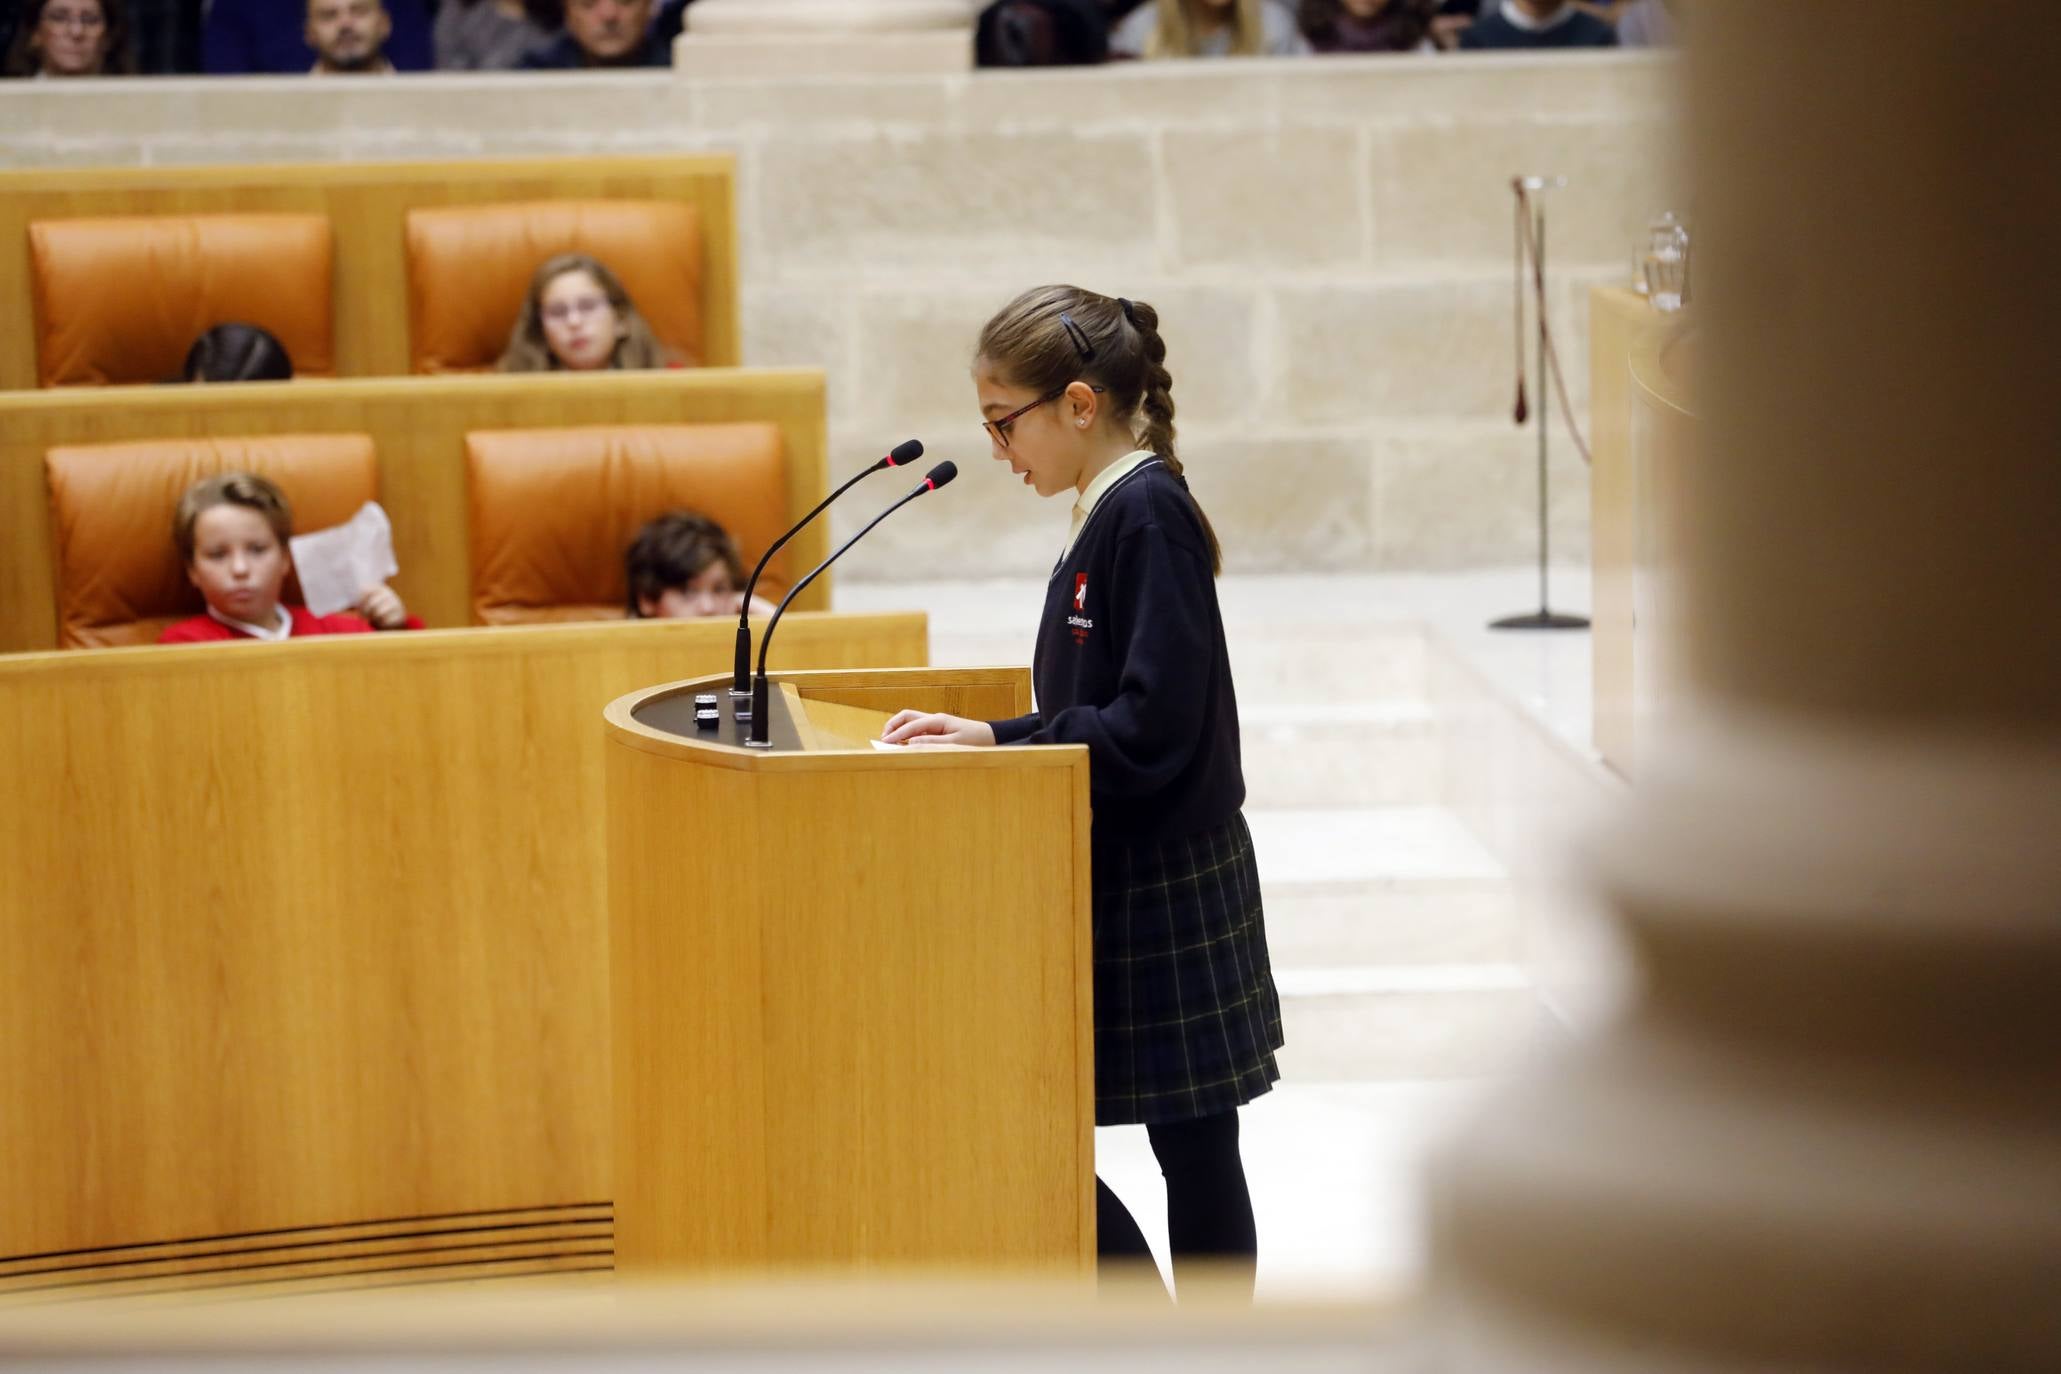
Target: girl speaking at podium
1130,661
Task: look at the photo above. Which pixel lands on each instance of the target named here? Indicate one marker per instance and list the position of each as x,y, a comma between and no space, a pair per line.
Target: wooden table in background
1642,427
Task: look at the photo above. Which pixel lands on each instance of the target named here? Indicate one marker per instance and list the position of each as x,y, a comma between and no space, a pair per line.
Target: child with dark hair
683,566
237,353
1131,662
232,530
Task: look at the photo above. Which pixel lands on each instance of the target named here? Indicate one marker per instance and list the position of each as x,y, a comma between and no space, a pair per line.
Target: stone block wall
1328,242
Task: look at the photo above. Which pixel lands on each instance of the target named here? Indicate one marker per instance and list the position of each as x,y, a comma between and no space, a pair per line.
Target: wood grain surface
852,996
314,933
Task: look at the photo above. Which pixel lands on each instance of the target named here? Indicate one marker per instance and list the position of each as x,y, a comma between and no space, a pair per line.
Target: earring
1080,424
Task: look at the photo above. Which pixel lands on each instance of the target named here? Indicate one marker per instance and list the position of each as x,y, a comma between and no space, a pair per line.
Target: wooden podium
852,1003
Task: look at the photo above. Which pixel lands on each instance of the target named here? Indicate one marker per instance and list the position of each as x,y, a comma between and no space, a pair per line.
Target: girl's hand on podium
920,728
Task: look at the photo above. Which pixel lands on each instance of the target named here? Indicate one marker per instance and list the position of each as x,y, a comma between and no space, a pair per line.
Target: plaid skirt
1186,1016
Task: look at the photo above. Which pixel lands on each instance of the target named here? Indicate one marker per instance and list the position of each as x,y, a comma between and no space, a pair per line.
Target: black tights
1208,1208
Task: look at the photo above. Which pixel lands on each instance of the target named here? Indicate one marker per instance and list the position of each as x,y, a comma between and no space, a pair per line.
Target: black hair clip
1079,337
1129,313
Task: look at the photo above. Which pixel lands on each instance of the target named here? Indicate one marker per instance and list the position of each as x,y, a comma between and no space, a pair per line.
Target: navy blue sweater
1131,662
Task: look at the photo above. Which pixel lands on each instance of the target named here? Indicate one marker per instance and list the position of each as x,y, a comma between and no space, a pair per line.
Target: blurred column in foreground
775,38
1826,1133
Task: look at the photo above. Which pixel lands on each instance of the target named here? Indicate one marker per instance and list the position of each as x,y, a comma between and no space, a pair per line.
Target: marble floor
1399,939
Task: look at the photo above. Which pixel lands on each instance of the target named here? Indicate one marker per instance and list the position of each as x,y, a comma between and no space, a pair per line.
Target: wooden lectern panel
852,997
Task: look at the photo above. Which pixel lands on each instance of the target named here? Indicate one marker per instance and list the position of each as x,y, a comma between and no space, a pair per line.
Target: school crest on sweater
1131,661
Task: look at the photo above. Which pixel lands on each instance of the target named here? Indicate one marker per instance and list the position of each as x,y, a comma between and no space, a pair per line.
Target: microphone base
760,736
1541,620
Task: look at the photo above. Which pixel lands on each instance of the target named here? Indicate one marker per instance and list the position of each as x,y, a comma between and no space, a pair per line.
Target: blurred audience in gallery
603,33
1539,24
1649,24
492,35
71,38
1041,33
349,37
235,352
167,35
62,37
1208,28
241,36
1352,26
576,317
684,566
231,531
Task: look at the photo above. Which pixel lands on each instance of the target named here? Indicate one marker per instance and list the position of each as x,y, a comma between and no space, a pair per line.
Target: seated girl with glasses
576,317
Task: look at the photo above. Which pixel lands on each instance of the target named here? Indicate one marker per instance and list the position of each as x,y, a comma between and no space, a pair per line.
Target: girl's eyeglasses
558,312
998,430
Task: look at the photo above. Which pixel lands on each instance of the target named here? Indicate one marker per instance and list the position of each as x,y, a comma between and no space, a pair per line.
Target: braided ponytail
1156,409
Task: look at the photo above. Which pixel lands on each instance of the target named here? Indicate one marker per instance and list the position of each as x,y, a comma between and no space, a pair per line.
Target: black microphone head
941,474
905,452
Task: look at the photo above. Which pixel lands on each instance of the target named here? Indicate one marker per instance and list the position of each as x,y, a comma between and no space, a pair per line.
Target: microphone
740,680
759,737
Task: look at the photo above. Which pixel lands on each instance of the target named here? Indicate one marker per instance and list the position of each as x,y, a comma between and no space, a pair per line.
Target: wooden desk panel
306,934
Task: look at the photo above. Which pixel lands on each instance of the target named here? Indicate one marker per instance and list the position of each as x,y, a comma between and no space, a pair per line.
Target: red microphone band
930,484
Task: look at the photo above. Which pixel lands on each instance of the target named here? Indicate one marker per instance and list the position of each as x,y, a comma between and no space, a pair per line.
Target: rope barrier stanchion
1531,245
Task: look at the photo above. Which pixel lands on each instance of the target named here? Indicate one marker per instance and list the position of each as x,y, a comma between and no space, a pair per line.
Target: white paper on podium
337,566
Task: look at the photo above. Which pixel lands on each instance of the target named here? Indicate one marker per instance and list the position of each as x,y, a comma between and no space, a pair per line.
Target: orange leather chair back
118,576
469,267
121,300
554,509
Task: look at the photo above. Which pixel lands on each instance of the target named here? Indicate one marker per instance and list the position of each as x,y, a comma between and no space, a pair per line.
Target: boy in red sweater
231,530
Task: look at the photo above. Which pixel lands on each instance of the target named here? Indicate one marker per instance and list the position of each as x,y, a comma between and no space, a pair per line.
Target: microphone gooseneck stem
740,676
740,679
1545,395
759,690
